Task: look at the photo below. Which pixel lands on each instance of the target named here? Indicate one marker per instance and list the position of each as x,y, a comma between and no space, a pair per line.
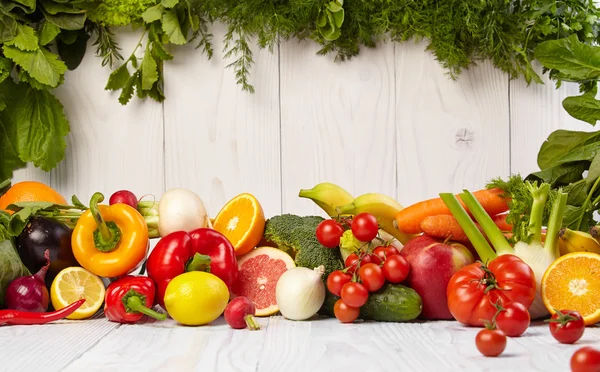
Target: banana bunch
579,241
336,201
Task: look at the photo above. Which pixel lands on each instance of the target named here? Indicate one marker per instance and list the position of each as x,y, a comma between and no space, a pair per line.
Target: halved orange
242,221
30,191
572,282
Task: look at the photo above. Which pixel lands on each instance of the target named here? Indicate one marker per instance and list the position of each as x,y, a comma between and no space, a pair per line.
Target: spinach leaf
572,59
563,146
560,175
585,107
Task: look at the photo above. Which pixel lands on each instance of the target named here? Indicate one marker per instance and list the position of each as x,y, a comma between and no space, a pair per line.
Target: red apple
432,264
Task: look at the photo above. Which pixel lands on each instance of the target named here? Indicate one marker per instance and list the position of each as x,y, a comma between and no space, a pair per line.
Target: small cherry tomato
566,326
586,359
336,280
490,342
385,252
371,276
354,294
345,313
352,261
365,227
513,319
396,269
329,233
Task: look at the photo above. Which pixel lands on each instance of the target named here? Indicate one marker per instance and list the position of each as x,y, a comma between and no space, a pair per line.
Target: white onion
300,292
180,210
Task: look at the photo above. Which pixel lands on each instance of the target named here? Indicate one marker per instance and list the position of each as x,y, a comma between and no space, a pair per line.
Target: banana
579,241
328,196
383,208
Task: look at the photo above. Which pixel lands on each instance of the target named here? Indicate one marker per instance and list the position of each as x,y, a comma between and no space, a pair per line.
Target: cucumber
392,303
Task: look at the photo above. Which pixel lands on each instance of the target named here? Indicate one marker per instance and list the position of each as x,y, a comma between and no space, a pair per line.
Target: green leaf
41,65
154,13
8,134
6,67
585,107
72,22
41,126
48,33
11,267
68,37
24,77
72,54
169,3
54,8
594,169
118,78
25,39
171,27
560,175
127,91
149,71
28,3
23,212
563,146
8,28
159,51
575,60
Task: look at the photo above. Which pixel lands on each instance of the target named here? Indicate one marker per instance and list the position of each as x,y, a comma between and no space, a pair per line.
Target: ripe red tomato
336,280
354,294
566,326
474,289
490,342
396,269
365,227
352,261
371,276
513,319
329,233
586,359
345,313
385,252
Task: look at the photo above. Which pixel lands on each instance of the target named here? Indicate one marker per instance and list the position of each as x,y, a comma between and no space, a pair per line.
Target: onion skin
29,293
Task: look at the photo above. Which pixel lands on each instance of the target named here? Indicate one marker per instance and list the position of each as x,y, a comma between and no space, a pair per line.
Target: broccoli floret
295,235
117,13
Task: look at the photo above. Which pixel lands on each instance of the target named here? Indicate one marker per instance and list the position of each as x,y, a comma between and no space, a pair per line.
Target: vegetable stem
488,226
555,223
483,248
540,197
586,203
104,230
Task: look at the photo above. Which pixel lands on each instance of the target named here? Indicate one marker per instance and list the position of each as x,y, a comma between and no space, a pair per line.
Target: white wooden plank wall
388,121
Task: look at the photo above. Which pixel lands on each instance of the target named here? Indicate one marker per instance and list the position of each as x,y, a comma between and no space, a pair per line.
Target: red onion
29,293
124,197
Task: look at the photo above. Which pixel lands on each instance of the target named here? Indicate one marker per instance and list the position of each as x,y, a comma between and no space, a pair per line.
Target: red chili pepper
199,250
14,317
129,298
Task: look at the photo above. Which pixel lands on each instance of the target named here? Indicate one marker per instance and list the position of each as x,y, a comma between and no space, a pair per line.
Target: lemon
75,283
196,298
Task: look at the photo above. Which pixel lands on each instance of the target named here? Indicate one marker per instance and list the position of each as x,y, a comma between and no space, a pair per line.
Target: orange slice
242,221
572,282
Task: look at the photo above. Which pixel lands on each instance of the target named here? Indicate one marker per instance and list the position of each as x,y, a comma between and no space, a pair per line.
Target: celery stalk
483,248
555,223
487,224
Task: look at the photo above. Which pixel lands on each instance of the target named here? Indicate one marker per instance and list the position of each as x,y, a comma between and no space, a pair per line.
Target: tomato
473,290
352,261
354,294
513,319
336,280
586,359
385,252
365,227
371,276
329,233
490,342
396,269
566,326
345,313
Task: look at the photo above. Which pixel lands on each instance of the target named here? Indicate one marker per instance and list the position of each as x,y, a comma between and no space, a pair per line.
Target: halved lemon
73,284
572,282
242,221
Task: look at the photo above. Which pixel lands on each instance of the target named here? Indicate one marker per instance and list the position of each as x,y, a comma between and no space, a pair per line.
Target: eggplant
43,233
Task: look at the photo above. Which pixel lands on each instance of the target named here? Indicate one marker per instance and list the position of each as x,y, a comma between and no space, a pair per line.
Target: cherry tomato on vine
329,233
345,313
490,342
566,326
586,359
513,319
354,294
371,276
336,280
365,227
385,252
352,261
396,269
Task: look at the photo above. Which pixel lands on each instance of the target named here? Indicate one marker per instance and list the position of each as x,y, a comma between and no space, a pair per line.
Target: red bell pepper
199,250
129,298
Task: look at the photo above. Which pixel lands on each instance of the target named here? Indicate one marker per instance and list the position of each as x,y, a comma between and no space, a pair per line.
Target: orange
572,282
242,221
30,191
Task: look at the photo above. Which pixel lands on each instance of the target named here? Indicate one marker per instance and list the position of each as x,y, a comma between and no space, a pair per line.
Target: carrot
409,219
500,221
444,226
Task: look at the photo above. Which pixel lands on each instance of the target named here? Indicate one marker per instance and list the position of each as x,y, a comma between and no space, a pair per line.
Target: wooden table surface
280,346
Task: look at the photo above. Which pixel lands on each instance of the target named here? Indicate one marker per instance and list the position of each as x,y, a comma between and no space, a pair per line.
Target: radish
239,314
123,197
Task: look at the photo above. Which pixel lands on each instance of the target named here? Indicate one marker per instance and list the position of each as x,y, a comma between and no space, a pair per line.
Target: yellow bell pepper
110,241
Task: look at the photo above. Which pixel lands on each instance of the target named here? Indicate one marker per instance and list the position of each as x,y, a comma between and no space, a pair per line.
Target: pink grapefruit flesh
259,271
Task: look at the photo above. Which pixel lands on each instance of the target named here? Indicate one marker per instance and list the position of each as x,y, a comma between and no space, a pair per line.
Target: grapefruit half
259,272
